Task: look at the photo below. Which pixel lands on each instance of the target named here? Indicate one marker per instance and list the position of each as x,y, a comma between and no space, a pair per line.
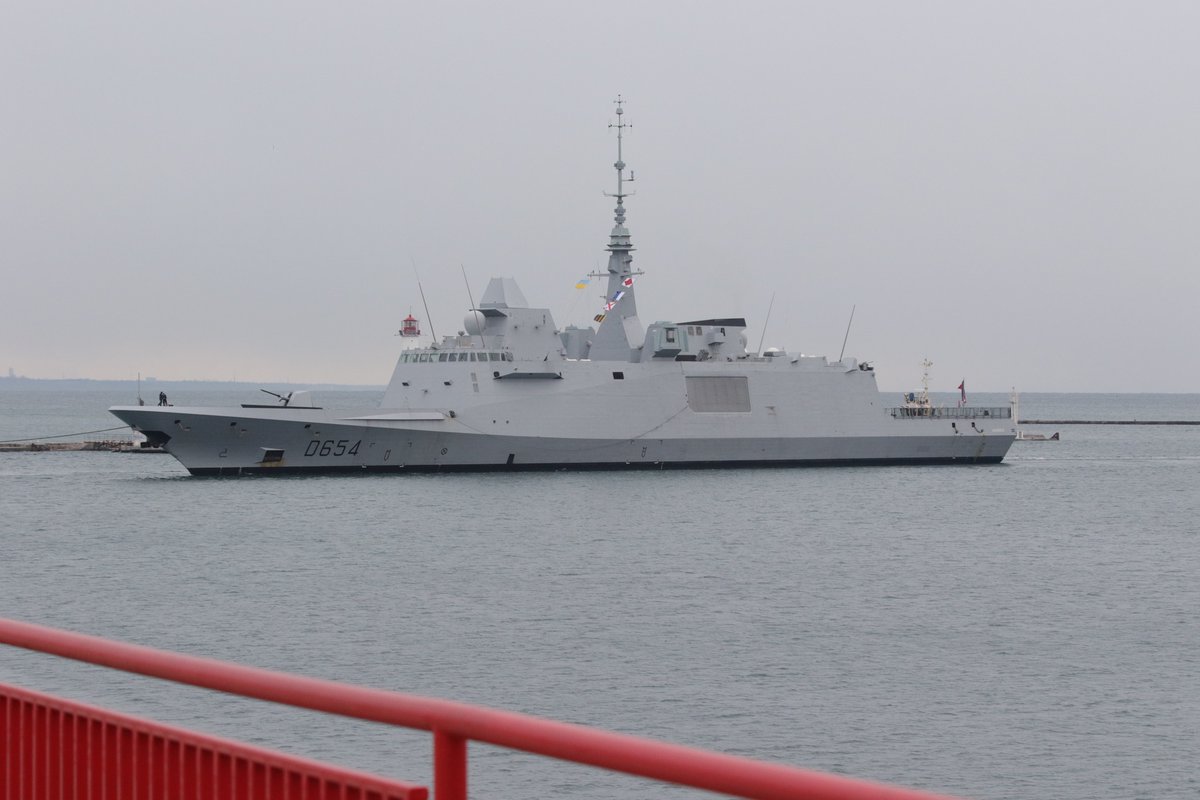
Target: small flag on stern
962,387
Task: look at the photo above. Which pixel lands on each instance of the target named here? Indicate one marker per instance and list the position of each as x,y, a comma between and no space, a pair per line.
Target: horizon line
381,386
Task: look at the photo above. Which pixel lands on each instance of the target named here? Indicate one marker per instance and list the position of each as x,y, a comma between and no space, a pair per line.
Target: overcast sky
241,190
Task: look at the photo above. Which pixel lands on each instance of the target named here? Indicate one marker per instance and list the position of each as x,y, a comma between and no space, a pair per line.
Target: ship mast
620,235
620,330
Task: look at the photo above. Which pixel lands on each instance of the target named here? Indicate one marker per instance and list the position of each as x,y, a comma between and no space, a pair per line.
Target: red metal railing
454,724
54,748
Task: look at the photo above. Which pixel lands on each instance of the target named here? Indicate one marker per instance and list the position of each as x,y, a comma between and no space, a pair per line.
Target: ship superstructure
513,391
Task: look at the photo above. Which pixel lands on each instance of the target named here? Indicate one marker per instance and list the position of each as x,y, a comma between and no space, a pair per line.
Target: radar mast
620,330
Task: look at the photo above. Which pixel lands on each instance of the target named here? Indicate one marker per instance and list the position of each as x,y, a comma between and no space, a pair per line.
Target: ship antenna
421,289
762,338
474,310
846,338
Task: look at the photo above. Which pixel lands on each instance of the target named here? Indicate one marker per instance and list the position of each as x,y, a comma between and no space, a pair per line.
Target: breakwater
108,446
1109,422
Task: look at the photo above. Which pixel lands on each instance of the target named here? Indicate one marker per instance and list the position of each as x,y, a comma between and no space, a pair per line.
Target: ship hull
214,472
232,441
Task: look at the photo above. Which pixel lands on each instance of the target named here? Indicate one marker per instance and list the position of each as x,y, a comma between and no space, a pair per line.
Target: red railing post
449,766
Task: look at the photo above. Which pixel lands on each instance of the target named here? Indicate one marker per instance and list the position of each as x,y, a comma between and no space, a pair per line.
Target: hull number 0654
329,447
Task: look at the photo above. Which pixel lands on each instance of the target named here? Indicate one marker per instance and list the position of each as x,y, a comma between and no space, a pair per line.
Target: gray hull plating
643,420
209,443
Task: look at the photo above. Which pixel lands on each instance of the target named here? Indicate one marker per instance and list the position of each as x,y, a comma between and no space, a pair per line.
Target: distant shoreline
153,385
19,383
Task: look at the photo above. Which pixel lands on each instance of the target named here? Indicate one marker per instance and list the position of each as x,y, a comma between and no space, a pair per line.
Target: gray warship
514,392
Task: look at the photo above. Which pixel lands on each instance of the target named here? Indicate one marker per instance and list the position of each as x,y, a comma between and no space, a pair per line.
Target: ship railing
951,412
47,746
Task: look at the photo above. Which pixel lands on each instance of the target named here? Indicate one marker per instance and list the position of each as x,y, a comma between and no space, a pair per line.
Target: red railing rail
454,724
56,748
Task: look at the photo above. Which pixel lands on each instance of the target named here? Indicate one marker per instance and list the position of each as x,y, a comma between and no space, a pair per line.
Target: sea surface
996,632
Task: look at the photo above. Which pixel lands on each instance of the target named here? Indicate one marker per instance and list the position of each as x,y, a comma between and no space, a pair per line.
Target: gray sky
240,190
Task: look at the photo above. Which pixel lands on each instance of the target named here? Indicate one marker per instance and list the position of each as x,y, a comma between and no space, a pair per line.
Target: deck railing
951,412
31,739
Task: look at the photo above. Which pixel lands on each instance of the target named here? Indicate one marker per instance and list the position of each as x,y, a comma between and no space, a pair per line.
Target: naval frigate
514,392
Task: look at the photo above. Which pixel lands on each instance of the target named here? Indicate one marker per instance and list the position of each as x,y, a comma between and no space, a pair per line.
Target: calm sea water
1024,630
